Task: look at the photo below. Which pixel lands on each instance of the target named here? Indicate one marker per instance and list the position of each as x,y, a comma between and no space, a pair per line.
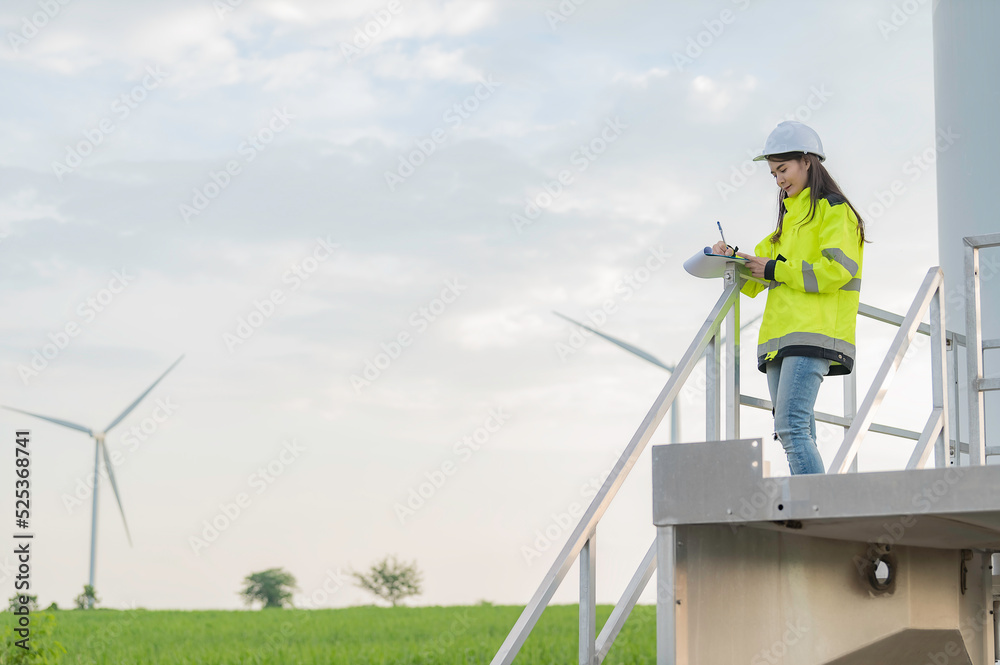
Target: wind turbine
101,450
675,416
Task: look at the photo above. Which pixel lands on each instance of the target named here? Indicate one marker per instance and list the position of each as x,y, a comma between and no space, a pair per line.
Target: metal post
666,595
939,377
713,372
851,407
953,403
733,362
996,630
675,422
588,601
974,357
712,389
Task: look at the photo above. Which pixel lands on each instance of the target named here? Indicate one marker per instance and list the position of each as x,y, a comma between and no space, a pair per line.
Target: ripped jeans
793,382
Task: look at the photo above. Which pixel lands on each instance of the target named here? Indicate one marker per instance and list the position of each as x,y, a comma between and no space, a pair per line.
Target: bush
15,601
44,649
88,599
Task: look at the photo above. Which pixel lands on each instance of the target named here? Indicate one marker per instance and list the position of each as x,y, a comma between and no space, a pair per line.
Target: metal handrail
832,419
930,295
582,542
895,319
706,339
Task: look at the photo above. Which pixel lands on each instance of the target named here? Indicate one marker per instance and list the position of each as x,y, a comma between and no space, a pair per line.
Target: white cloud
641,79
434,18
85,36
429,62
645,198
708,93
503,327
24,206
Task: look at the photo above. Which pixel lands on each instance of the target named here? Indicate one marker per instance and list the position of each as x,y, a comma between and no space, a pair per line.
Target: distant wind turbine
101,450
675,416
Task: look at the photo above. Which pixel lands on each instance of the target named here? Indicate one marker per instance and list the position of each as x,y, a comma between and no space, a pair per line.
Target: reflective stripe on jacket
814,286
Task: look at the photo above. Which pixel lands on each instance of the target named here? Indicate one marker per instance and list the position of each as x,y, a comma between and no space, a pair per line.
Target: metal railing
856,422
584,537
930,295
975,346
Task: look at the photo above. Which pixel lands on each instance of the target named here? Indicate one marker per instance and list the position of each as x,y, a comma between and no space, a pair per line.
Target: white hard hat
792,136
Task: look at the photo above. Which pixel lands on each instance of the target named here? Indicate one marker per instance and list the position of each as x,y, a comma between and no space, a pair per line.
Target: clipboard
706,265
726,256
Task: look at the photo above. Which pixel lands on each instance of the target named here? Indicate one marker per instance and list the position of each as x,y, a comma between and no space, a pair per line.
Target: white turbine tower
101,450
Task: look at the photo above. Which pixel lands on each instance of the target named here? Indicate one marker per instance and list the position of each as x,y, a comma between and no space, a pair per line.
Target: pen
735,249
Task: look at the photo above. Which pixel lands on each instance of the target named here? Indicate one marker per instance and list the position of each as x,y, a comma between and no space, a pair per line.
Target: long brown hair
820,183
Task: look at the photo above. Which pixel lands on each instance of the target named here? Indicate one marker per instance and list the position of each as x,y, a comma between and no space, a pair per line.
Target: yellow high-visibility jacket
814,285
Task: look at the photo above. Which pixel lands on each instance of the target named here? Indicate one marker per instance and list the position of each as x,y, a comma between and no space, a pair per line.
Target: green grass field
355,636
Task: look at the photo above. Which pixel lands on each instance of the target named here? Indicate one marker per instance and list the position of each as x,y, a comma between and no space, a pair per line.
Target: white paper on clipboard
707,265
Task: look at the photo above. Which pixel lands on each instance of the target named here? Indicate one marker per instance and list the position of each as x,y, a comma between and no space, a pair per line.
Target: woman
812,266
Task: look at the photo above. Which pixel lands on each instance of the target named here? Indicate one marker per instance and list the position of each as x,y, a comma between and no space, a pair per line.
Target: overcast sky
355,220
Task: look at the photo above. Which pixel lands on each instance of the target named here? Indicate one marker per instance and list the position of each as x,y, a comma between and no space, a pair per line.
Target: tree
15,602
391,580
87,599
272,587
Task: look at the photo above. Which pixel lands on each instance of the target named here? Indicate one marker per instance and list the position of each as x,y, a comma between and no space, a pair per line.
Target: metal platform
885,567
722,483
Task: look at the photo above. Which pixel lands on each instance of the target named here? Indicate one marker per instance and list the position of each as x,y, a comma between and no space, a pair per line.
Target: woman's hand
721,248
755,264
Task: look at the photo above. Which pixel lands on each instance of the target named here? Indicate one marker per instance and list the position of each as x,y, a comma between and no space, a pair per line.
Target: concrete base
746,595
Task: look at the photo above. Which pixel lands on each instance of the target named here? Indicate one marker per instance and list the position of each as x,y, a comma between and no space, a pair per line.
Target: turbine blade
625,345
140,398
114,486
64,423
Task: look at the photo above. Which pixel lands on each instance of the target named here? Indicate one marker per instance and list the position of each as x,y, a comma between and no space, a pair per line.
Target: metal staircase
723,396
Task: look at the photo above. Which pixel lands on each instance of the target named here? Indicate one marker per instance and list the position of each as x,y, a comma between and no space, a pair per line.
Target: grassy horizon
358,635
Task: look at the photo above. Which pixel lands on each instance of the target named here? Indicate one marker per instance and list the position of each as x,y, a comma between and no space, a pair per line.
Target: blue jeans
794,384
